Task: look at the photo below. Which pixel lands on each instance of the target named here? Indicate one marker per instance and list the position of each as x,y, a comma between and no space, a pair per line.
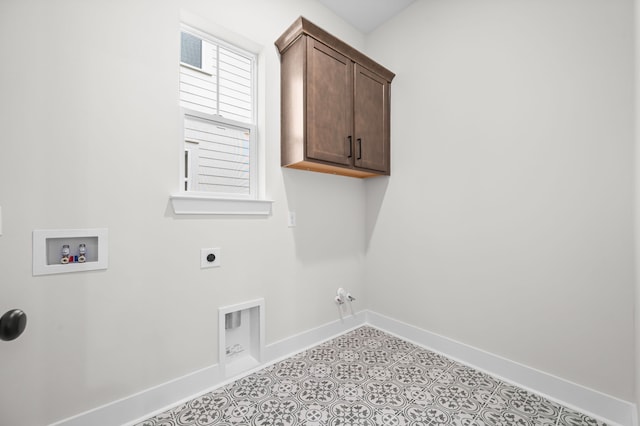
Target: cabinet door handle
359,148
350,147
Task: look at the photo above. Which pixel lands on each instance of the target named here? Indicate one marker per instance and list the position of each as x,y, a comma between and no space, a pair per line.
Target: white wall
637,202
90,135
508,221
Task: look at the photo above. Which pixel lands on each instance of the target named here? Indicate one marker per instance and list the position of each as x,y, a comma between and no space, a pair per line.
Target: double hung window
218,100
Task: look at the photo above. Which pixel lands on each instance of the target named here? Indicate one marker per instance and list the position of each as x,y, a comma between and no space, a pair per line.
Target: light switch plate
291,220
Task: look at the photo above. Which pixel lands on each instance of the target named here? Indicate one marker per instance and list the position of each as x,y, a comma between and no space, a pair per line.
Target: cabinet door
329,115
371,114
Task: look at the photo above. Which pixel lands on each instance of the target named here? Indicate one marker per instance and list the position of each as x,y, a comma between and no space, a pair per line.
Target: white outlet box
210,258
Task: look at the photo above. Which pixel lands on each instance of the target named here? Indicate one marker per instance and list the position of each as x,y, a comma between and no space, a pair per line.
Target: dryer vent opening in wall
232,320
241,338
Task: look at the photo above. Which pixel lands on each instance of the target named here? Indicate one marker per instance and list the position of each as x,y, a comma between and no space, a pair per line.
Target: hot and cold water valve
343,296
66,257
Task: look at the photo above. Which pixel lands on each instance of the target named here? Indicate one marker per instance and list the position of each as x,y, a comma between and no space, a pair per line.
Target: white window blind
217,93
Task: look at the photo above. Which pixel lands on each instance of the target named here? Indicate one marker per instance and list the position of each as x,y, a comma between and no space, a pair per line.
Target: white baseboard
151,400
162,397
155,400
607,408
299,342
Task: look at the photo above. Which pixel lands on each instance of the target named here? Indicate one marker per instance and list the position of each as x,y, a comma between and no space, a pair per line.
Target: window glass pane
190,50
217,86
223,158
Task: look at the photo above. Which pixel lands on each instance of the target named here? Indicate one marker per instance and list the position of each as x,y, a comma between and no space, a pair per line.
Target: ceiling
366,15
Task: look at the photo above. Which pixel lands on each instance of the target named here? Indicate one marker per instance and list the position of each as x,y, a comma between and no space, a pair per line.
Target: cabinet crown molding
303,26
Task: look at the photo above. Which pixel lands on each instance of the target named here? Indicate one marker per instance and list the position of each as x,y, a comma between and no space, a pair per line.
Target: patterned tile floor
367,377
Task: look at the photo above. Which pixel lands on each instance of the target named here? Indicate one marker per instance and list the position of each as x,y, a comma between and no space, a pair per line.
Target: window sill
202,204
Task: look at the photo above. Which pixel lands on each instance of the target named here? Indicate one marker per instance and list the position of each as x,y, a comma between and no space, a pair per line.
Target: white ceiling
366,15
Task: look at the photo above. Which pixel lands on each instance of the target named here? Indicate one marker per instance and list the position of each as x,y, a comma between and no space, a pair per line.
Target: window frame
188,201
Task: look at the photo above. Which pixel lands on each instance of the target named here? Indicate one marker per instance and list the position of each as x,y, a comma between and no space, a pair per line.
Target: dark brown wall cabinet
335,105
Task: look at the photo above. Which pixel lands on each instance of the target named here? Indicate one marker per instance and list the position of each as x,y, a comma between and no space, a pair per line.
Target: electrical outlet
210,257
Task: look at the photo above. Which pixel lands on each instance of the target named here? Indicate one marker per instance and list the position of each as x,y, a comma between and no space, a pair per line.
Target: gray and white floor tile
368,378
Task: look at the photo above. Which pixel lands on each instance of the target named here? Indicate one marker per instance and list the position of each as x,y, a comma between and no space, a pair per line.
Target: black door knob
12,324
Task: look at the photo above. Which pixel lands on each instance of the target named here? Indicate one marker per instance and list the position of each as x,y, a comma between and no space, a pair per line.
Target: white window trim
197,203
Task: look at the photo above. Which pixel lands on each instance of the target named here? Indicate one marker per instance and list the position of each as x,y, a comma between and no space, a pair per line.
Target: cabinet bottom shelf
325,168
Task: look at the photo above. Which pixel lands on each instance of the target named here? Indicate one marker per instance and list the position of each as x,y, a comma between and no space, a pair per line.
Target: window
219,163
217,94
